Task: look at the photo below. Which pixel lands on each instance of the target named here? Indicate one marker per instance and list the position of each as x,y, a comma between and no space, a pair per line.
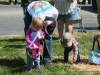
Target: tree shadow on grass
14,39
58,60
14,46
84,61
17,65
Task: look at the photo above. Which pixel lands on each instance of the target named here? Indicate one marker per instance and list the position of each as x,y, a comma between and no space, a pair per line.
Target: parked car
94,4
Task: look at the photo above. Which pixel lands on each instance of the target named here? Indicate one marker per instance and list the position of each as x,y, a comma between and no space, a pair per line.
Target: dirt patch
83,65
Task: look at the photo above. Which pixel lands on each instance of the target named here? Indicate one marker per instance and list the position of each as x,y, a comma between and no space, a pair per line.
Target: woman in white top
67,13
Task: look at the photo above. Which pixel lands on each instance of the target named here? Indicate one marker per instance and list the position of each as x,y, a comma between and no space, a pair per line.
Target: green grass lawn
13,56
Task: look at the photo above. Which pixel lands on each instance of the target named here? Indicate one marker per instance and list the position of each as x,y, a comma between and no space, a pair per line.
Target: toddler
32,32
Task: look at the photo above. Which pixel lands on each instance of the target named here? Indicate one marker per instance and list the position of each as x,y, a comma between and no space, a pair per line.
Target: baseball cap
50,25
67,38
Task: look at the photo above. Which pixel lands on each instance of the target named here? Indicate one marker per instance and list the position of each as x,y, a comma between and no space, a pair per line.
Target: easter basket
33,52
94,55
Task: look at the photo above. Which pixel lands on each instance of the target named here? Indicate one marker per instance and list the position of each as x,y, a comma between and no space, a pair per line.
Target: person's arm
62,43
52,2
42,36
97,36
28,40
75,49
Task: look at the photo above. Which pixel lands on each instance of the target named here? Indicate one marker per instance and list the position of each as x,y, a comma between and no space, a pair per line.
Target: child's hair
37,22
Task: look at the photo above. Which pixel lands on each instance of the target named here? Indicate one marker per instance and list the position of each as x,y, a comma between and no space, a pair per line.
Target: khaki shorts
98,6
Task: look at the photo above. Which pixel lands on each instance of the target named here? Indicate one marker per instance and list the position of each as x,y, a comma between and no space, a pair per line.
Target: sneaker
59,39
47,64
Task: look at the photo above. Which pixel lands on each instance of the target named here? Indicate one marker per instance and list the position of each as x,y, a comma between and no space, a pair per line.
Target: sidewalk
11,19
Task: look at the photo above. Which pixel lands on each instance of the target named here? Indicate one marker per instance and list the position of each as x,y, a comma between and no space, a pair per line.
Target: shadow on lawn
14,46
58,60
14,39
16,64
84,61
54,38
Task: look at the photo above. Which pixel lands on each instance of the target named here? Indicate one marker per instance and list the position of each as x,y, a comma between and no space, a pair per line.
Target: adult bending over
48,14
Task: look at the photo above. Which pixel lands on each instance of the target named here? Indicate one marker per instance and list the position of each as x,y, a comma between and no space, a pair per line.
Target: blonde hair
37,22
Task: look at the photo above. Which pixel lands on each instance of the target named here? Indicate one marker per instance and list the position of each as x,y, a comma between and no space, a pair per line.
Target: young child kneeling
69,44
32,32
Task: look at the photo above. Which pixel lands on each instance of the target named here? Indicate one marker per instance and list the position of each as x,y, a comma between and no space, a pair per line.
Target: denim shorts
69,16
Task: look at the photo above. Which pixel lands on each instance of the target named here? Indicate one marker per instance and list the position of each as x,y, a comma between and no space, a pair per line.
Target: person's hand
38,54
35,46
97,36
39,37
70,0
62,43
75,59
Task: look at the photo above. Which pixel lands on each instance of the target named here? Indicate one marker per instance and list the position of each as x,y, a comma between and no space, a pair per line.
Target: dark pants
15,1
85,0
66,52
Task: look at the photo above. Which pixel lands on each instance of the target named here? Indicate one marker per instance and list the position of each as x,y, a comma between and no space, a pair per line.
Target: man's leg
24,12
27,22
68,26
47,50
98,18
66,52
60,28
